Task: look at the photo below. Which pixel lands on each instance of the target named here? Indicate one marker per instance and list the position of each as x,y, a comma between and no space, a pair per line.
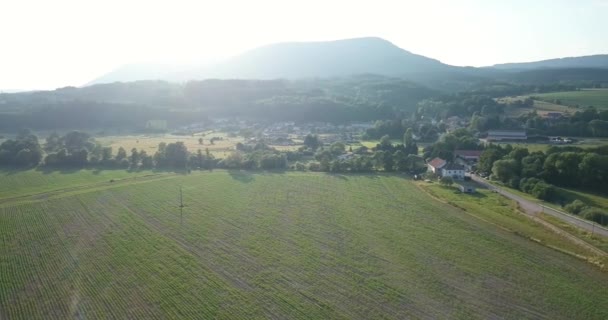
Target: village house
467,158
436,164
468,155
466,189
456,171
346,156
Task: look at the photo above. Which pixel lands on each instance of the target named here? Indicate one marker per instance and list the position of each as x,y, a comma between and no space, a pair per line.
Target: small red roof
437,163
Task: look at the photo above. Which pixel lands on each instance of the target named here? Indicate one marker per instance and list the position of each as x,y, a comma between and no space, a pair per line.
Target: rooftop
468,153
514,133
437,163
453,166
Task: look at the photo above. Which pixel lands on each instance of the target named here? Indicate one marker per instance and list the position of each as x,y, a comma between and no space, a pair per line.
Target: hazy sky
54,43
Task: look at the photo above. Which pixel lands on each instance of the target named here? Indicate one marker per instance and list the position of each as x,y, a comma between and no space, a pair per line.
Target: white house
453,170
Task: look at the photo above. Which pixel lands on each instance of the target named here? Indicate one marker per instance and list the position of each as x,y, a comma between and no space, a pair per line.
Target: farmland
583,98
582,142
28,182
540,106
270,245
149,143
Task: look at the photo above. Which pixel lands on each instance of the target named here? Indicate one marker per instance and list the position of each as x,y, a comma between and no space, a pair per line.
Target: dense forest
129,106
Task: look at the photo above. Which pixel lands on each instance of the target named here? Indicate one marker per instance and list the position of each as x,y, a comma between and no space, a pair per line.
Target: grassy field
581,143
567,196
530,146
28,182
293,245
149,143
584,98
544,107
541,107
497,209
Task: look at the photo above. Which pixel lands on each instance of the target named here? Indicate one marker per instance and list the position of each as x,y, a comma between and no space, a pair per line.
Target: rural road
531,208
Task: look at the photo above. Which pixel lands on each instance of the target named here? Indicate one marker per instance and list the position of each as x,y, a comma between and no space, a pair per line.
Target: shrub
527,184
575,207
544,191
595,214
314,166
446,181
300,166
514,182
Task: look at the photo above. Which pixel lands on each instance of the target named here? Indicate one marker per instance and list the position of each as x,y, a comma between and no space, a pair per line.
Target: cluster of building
284,133
506,135
457,169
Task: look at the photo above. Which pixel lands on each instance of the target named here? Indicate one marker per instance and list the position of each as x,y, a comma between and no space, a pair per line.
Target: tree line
131,105
537,173
79,150
588,122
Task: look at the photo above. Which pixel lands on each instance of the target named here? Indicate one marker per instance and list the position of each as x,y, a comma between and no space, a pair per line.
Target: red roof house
436,164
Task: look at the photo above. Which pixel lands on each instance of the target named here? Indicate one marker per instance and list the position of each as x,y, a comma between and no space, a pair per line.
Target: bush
446,181
527,184
314,166
124,164
575,207
429,175
300,166
544,191
595,214
514,182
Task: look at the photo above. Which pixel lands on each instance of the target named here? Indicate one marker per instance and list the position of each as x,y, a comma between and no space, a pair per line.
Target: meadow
582,142
540,106
584,98
149,142
280,245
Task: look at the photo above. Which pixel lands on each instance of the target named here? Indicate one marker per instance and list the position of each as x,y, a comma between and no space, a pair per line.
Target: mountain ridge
298,60
589,61
336,58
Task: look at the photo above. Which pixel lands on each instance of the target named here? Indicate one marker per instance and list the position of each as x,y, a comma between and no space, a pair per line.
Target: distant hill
343,58
594,61
322,59
296,60
140,71
553,75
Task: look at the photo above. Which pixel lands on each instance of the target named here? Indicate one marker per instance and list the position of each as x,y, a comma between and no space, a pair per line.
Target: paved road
532,208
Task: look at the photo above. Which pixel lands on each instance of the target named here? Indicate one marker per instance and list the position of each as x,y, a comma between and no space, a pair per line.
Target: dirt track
533,208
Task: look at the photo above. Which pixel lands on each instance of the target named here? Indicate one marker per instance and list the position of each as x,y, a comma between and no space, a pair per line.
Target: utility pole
181,206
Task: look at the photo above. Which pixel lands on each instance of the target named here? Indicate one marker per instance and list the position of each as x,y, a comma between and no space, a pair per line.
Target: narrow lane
532,208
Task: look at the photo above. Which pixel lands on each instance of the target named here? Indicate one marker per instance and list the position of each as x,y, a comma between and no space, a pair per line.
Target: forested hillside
130,105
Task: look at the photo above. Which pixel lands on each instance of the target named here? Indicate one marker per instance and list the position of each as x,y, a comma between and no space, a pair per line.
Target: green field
582,142
584,98
29,182
541,107
269,245
149,143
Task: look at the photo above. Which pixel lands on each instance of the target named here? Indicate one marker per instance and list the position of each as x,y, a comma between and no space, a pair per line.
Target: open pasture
269,245
583,98
540,106
582,142
149,143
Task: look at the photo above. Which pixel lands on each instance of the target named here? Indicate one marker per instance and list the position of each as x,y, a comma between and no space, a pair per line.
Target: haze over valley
304,160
